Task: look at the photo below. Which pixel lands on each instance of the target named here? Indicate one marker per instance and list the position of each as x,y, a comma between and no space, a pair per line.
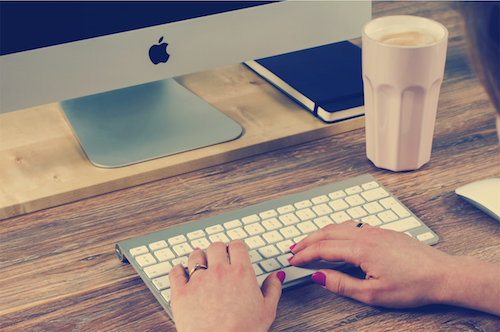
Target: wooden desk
59,271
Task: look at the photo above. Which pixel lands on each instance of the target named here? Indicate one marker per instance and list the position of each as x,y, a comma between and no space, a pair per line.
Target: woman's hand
400,271
225,296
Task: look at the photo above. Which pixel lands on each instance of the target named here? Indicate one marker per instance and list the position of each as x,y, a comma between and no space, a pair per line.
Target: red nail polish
281,276
319,278
290,258
293,246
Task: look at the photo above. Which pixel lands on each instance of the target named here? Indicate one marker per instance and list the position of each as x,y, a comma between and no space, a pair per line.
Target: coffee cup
403,60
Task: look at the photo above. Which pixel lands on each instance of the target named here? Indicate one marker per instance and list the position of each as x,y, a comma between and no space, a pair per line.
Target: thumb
271,288
340,283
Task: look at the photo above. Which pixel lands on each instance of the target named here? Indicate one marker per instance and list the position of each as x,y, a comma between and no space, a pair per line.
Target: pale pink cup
401,86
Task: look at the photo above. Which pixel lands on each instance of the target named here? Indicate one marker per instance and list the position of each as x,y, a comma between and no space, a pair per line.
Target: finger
343,284
345,231
238,253
271,289
196,257
177,278
328,250
217,253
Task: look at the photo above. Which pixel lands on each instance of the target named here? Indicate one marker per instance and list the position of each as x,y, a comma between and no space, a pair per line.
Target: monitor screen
60,51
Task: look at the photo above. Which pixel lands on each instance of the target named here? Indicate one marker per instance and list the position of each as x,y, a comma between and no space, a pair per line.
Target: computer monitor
111,64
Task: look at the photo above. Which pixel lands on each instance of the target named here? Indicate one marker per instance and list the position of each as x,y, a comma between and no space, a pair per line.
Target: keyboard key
270,265
323,221
370,185
181,260
269,251
355,200
254,256
299,238
258,271
322,210
164,254
283,259
145,260
232,224
161,283
387,216
182,249
307,227
272,237
214,229
138,251
158,245
200,243
303,204
220,237
340,217
289,232
237,233
320,199
337,194
286,209
373,207
254,229
391,203
289,219
157,270
166,295
271,224
425,236
284,246
255,242
372,221
357,212
353,190
177,239
268,214
250,219
339,205
402,225
305,214
196,234
375,194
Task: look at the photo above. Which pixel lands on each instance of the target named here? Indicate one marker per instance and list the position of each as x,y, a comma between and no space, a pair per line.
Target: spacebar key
293,273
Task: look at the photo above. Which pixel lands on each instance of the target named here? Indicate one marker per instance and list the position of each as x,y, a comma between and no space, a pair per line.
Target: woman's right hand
401,272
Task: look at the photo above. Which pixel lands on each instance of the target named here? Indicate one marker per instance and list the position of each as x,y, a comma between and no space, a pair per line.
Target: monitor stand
135,124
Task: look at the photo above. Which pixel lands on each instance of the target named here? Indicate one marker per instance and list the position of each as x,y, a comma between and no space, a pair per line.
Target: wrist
470,283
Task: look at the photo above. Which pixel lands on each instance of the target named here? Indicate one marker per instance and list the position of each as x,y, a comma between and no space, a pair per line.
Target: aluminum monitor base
153,120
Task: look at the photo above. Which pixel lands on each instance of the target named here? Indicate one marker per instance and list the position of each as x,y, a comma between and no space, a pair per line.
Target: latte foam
407,38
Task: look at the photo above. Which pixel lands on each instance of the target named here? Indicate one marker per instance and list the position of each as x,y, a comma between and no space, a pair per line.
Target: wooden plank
42,164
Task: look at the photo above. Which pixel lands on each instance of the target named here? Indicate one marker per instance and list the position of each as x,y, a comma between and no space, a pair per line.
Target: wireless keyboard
269,229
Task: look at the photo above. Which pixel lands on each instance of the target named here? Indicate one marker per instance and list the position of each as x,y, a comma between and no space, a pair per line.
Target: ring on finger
196,267
360,225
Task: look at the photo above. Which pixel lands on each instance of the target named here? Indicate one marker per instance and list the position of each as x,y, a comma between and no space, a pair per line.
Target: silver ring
196,267
360,225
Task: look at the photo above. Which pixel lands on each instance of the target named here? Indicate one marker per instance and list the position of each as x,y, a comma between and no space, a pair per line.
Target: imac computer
111,65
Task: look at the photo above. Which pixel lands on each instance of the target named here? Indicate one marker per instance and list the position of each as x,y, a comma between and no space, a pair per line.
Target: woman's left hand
225,296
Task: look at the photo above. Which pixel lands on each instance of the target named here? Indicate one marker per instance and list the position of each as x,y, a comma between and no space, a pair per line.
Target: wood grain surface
59,272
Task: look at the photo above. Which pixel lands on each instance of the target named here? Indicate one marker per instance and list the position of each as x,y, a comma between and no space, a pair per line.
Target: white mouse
483,194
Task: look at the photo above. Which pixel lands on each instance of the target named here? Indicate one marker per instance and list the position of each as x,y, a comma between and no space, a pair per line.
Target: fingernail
281,276
290,258
196,248
293,246
319,278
